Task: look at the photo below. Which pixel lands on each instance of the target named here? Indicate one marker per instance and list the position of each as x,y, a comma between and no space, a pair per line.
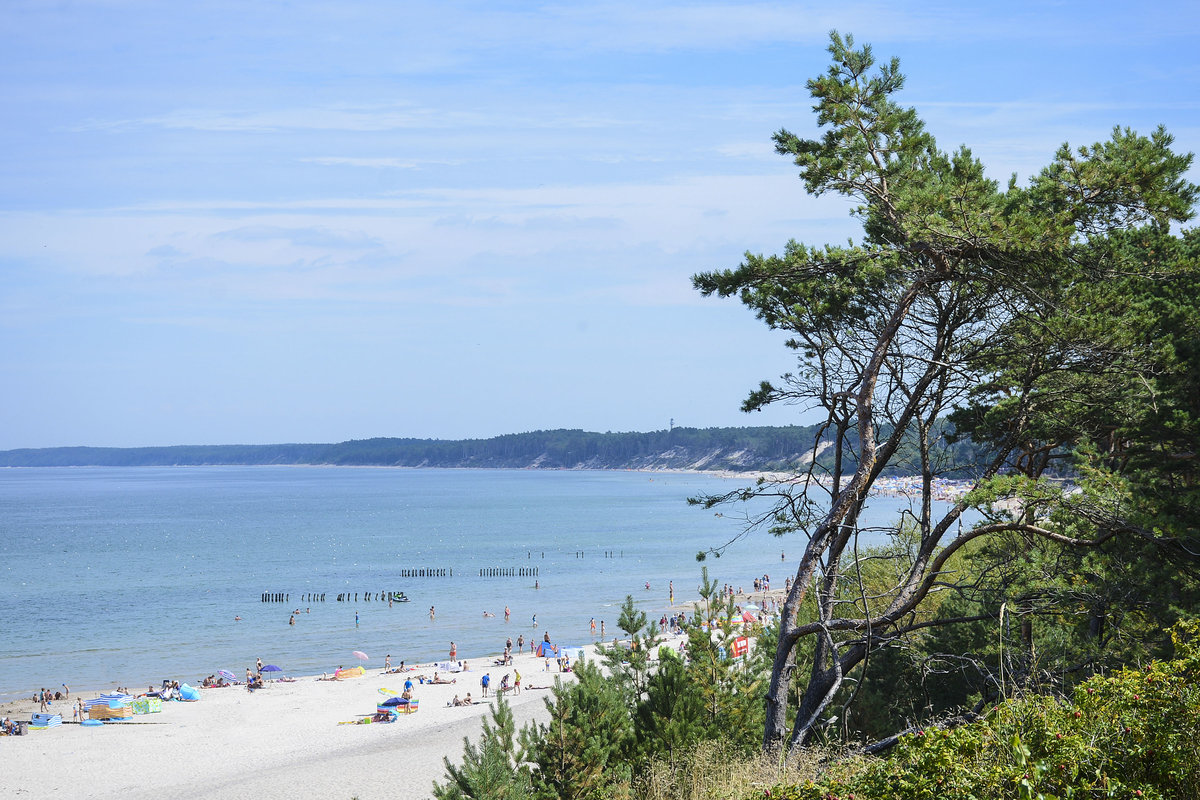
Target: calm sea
128,576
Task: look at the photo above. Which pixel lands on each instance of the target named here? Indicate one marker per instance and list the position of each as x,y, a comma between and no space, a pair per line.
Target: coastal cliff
731,449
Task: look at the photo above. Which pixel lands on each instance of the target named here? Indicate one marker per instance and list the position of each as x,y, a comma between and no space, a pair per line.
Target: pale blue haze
260,222
129,576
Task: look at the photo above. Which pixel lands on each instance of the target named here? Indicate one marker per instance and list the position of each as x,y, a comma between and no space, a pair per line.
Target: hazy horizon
263,224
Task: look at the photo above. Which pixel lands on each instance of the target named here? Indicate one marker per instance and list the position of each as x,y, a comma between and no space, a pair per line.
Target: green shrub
1135,734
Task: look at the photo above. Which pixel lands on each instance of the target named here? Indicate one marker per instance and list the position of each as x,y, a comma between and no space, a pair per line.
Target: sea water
128,576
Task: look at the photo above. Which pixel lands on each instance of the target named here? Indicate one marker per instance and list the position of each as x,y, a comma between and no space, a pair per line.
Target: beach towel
147,705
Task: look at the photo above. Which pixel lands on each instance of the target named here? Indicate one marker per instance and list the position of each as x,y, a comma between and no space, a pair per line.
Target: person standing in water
432,613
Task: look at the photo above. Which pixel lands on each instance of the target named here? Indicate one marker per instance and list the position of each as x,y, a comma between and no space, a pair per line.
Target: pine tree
585,750
488,770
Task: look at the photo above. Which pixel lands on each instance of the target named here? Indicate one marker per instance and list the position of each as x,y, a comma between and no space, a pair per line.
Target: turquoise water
129,576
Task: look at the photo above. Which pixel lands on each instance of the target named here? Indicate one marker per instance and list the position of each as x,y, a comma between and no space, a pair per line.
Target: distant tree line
737,449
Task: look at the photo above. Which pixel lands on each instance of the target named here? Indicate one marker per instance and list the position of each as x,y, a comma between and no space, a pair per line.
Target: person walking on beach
453,651
42,702
484,682
516,682
387,663
521,643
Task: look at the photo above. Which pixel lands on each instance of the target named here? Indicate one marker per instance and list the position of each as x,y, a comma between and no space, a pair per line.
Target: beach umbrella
751,607
359,654
227,675
271,668
392,702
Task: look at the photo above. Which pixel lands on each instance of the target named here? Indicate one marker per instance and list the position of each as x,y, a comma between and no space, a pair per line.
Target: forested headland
733,449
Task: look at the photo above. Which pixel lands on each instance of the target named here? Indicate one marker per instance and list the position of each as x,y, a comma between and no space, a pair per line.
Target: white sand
279,742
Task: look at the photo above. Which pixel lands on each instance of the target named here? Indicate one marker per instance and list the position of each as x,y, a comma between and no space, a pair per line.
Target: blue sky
253,222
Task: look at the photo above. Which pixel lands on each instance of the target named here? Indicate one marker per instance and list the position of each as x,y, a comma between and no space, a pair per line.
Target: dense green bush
1135,734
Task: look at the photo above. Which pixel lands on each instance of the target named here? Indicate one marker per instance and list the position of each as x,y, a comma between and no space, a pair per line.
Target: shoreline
285,740
23,707
282,741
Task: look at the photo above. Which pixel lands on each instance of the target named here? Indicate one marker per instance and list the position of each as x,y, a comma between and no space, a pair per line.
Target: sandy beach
283,741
